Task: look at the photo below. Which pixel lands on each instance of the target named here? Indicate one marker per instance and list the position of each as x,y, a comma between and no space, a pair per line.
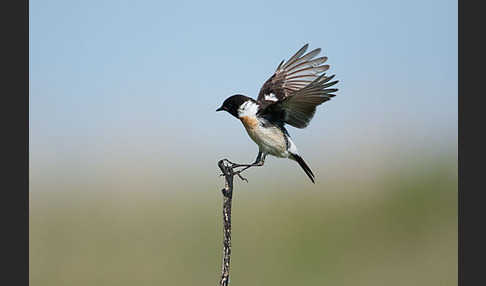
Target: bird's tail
304,166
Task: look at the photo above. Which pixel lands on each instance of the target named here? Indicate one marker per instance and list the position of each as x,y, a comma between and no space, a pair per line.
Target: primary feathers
292,93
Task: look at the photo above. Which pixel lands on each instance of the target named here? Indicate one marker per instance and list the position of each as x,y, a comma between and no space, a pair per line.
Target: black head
232,103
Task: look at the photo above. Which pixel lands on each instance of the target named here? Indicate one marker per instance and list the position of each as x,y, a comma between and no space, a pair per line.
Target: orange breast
249,122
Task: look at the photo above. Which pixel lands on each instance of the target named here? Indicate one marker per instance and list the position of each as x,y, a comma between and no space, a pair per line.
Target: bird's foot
238,173
229,162
232,166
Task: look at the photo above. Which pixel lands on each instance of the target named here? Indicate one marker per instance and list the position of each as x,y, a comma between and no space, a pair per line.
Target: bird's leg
260,160
256,163
229,162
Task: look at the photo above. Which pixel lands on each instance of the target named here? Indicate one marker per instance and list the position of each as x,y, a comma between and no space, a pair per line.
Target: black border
15,141
471,145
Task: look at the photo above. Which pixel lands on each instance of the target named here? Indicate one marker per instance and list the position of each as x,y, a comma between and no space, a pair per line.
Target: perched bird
289,96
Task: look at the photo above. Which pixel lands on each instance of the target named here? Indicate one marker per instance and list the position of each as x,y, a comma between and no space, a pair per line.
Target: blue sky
151,73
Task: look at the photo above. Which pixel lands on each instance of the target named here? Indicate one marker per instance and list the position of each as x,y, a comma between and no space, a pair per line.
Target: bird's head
235,104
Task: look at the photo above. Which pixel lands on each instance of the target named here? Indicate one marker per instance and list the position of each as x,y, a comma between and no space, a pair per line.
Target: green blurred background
394,227
124,144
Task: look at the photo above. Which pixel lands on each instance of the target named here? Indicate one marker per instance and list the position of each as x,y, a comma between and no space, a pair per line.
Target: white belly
270,139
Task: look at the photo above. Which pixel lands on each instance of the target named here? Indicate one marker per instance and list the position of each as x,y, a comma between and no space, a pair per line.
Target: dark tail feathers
304,166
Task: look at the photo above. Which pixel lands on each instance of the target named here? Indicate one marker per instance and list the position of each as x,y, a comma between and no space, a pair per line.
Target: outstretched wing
292,93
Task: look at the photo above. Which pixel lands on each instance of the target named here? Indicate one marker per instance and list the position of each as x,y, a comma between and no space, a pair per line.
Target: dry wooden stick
229,172
227,195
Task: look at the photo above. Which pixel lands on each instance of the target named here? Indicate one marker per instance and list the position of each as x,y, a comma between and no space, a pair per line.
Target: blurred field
397,229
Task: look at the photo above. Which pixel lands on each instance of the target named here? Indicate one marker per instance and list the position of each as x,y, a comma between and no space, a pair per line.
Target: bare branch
228,195
228,171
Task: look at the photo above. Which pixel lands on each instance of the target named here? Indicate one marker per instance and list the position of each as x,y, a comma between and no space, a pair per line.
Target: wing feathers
315,62
280,65
301,106
309,71
305,58
296,56
301,66
299,85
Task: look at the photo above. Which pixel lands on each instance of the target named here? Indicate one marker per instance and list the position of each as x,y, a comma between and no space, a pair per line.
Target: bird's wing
292,93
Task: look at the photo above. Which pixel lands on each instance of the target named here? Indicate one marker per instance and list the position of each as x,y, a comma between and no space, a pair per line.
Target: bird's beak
219,109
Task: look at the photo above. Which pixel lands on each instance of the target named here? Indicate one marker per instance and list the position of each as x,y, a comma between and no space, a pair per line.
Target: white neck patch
247,108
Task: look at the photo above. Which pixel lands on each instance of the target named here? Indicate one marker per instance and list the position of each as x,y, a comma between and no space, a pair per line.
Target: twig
228,195
228,173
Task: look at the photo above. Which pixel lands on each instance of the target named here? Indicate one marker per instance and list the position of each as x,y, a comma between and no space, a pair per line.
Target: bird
290,96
